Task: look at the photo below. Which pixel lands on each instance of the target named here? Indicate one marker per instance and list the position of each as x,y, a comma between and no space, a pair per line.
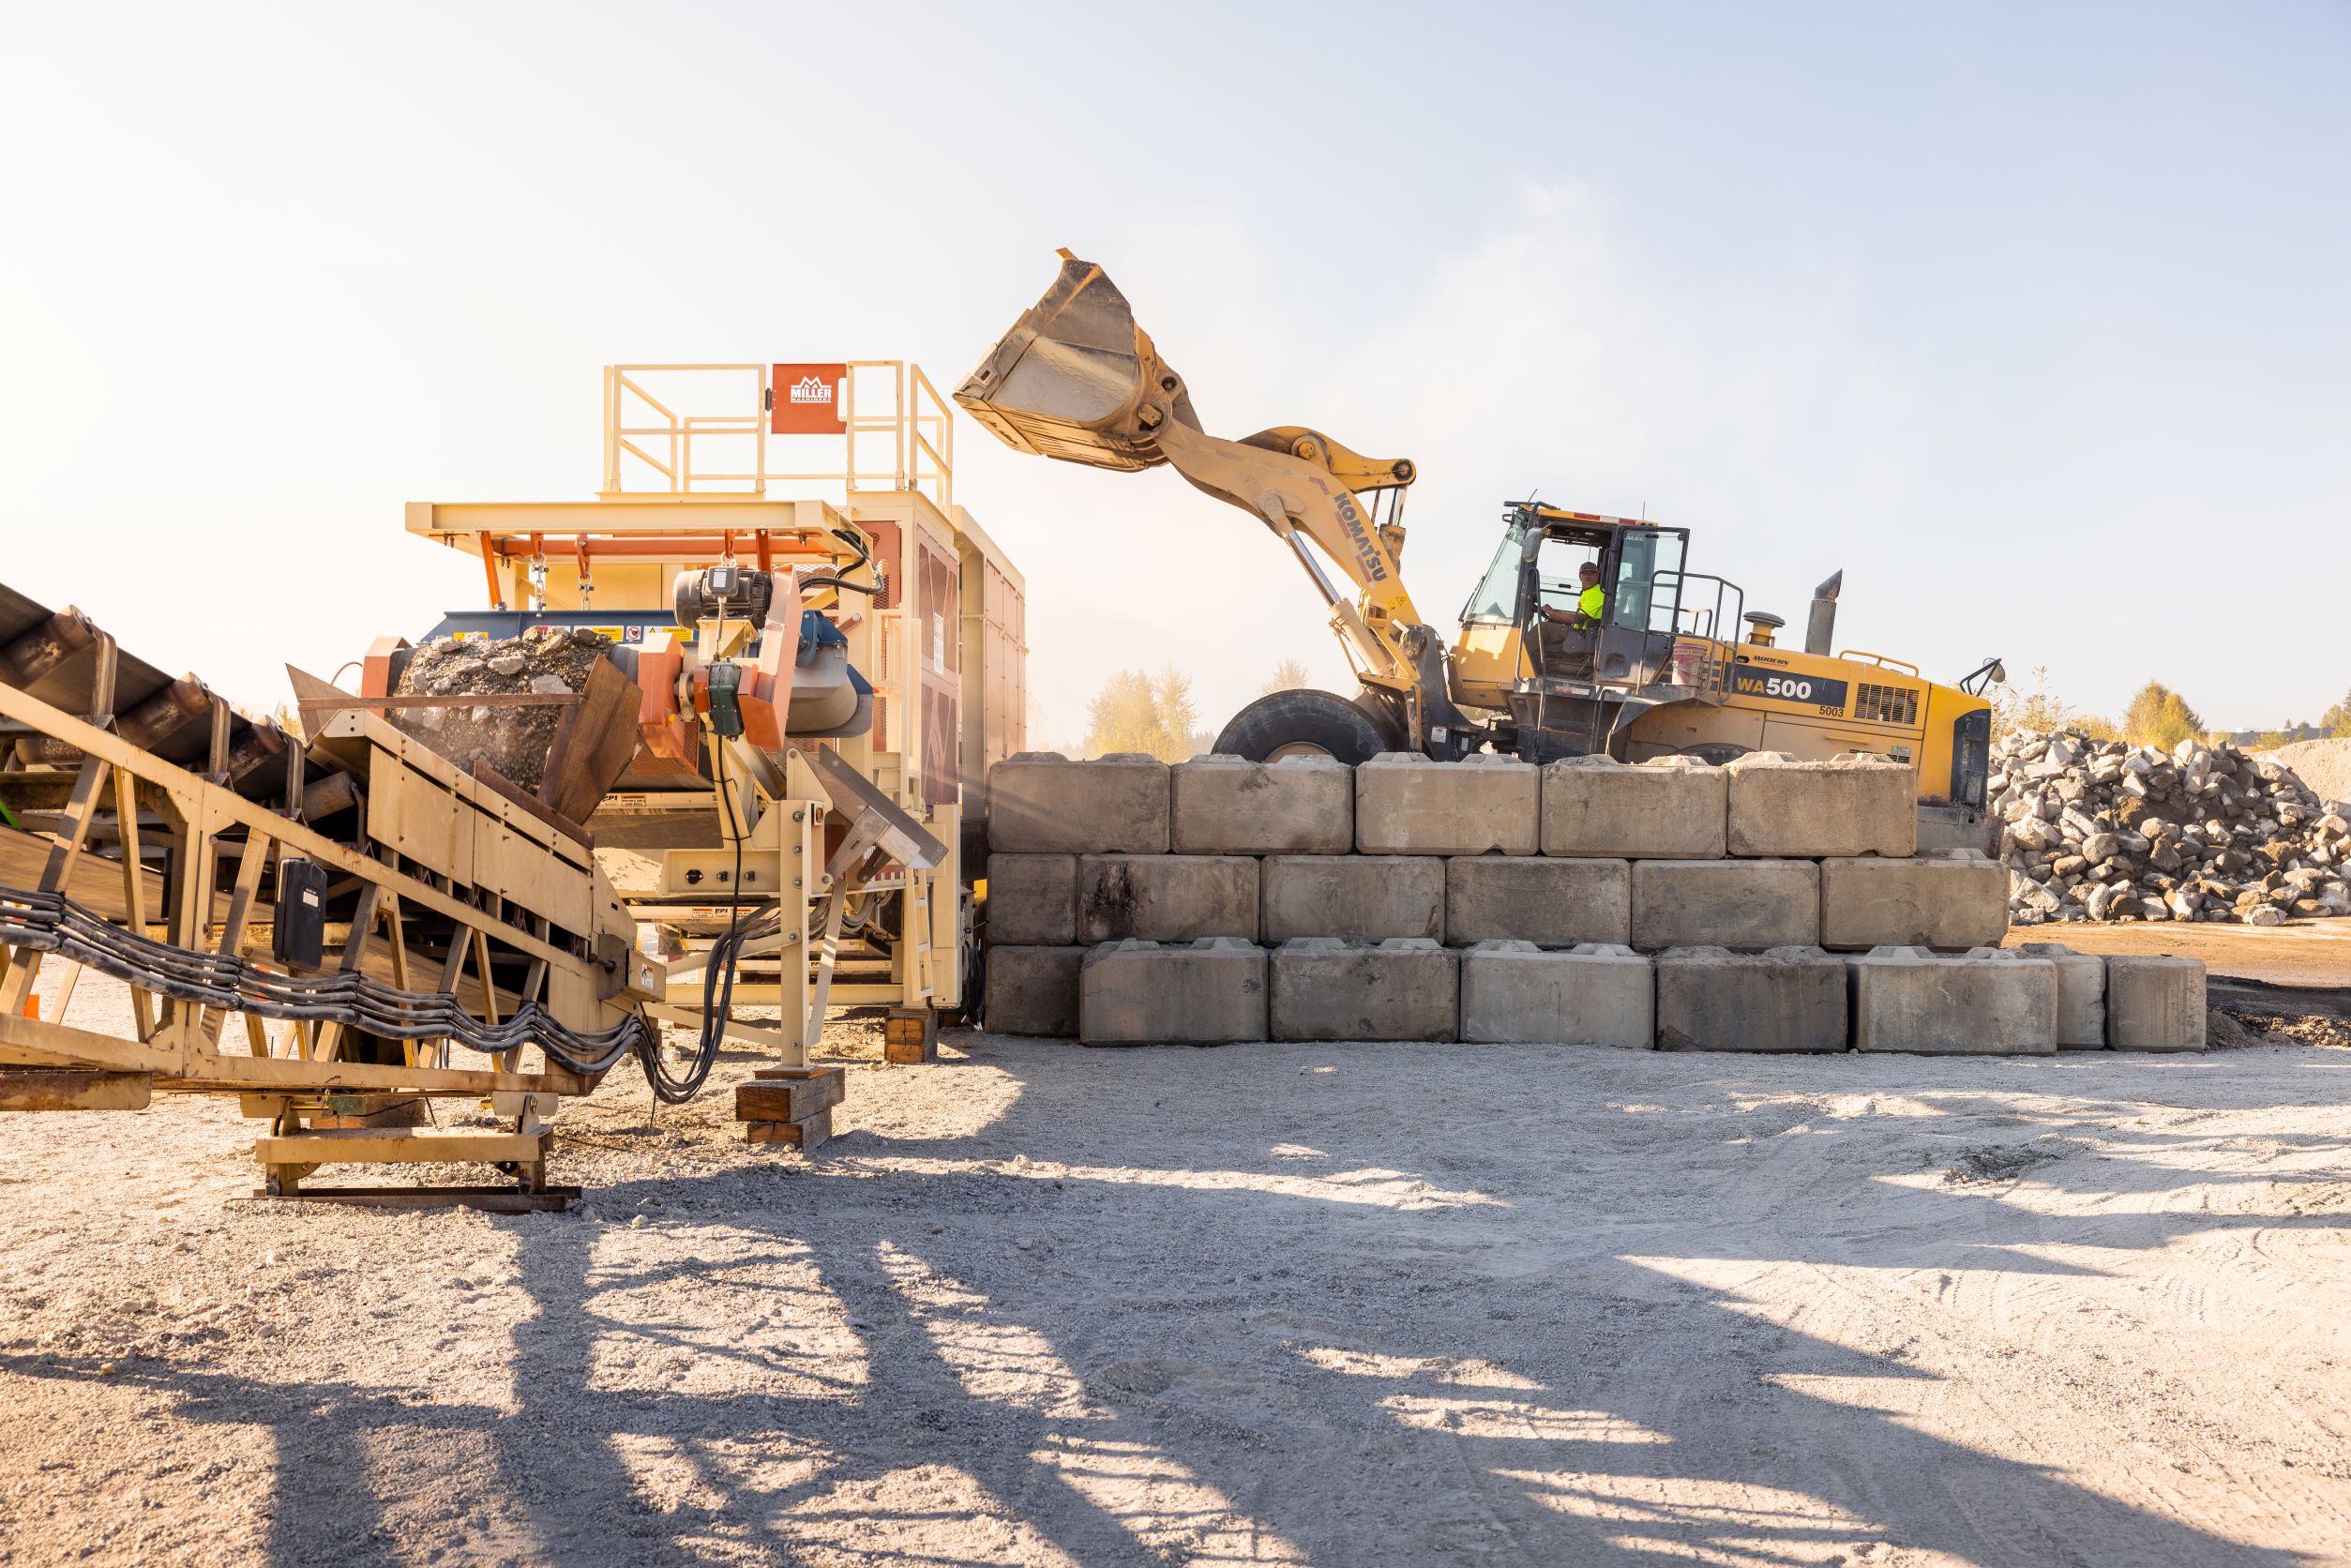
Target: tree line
2157,716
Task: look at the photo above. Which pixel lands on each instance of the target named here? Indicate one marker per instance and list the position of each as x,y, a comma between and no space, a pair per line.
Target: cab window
1496,597
1648,588
1555,567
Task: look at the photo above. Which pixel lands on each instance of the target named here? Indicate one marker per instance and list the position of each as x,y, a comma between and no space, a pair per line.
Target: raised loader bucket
1076,379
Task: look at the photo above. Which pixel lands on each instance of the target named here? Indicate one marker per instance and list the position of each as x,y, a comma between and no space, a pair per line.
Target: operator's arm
1576,617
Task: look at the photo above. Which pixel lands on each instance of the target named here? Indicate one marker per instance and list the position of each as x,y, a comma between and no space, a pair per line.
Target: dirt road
1364,1304
2305,953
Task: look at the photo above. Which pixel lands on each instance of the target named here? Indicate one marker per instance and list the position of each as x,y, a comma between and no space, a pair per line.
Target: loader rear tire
1291,723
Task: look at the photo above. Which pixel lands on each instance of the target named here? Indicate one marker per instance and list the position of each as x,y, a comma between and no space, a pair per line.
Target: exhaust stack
1821,630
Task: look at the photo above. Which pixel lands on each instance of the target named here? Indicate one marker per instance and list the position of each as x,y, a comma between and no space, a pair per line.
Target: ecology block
1231,805
1790,999
1359,898
2155,1004
1403,989
1210,993
1406,804
1987,1001
1551,903
1671,809
2080,994
1033,990
1747,904
1166,898
1599,994
1031,899
1851,804
1042,803
1949,899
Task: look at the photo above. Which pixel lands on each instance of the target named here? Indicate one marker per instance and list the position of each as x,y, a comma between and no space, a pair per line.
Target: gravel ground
1358,1304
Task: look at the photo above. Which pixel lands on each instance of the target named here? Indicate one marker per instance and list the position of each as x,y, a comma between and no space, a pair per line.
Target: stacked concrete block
1210,993
1947,899
1032,900
1403,989
1551,903
1357,897
1788,999
2080,994
1987,1002
1597,994
1033,990
1166,898
1405,804
2155,1004
1672,809
1231,805
1852,805
1042,803
1749,905
1126,899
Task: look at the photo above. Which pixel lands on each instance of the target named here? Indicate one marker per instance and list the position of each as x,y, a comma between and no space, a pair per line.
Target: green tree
2098,727
1138,712
2159,717
1171,705
1289,675
2035,712
2337,719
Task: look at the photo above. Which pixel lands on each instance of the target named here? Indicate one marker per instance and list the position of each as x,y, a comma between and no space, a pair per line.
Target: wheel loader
1662,670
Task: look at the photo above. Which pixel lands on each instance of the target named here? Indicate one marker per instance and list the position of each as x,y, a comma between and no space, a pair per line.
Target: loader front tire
1295,723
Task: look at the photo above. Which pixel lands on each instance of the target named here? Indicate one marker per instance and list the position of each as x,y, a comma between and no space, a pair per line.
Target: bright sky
2034,319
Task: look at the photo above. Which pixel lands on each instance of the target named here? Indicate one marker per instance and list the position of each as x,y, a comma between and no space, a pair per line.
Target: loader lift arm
1076,379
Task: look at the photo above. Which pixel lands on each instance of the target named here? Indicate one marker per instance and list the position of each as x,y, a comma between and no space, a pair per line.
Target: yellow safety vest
1590,602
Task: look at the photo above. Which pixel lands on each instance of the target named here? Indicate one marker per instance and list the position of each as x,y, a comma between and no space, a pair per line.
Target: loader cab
1536,568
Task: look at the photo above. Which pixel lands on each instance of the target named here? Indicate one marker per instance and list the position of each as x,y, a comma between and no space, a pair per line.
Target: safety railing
709,430
1710,670
1704,620
1858,655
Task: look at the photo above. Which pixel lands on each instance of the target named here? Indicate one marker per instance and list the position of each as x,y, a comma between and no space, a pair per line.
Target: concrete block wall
1406,899
1987,1001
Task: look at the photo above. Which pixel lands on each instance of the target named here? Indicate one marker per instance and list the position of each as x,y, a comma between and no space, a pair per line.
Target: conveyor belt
58,656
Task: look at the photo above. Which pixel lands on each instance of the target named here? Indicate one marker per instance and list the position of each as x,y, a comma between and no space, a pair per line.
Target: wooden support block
804,1135
909,1035
768,1099
64,1089
393,1145
371,1110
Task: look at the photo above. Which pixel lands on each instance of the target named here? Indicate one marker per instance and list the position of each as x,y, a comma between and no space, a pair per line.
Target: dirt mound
2323,765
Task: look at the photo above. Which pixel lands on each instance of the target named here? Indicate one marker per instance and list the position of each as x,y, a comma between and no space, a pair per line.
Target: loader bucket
1076,379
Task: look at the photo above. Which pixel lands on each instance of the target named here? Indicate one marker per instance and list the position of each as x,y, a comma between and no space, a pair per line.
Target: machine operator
1572,642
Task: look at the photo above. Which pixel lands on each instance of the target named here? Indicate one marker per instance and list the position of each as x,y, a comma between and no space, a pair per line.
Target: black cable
719,972
52,923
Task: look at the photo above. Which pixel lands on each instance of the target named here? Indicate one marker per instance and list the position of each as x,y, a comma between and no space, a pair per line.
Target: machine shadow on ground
1458,1367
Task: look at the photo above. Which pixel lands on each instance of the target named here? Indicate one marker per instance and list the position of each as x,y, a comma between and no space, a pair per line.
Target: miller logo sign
807,400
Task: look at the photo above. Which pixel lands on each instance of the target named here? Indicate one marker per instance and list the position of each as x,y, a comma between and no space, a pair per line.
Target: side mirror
1999,674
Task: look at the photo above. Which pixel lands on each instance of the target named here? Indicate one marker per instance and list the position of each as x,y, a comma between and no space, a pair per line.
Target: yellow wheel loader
1661,670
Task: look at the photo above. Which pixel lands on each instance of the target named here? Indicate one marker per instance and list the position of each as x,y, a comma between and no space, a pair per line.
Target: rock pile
2098,830
513,740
